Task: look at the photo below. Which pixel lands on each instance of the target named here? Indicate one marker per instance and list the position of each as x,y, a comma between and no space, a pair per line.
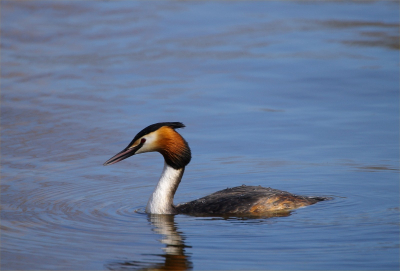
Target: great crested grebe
241,200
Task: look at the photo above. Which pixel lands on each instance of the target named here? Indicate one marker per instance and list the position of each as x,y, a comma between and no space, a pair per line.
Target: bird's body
241,200
245,200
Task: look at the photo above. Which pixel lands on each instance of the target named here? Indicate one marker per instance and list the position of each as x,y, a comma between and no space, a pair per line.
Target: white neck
162,199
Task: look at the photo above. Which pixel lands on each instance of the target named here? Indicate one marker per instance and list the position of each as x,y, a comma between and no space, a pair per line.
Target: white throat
162,199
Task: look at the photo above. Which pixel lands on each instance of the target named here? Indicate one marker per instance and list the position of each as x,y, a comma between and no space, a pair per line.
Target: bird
241,200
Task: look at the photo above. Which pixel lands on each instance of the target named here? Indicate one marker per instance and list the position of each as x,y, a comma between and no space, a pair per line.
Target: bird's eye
142,140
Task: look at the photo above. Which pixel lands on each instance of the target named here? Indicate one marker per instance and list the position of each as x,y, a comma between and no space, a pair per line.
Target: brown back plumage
246,200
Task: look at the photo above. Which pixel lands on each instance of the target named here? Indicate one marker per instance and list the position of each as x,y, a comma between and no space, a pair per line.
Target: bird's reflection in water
174,257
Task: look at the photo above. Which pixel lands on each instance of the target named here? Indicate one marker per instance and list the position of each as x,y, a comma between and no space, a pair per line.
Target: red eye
142,140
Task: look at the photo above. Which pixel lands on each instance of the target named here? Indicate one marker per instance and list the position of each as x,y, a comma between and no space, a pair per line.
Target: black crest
154,127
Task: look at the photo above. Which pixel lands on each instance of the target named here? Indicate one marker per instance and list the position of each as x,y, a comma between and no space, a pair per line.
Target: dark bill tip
125,153
121,156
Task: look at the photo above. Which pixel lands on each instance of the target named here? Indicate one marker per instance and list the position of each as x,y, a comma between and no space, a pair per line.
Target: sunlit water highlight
298,96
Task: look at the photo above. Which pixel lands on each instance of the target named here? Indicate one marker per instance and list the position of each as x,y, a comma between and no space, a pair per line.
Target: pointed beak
125,153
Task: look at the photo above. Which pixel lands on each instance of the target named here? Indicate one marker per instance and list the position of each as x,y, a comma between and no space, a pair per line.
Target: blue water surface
301,96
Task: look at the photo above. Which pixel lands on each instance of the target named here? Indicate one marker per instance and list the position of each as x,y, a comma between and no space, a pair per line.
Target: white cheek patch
149,145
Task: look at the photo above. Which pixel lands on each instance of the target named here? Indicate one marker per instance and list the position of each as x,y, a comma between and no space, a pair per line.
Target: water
298,96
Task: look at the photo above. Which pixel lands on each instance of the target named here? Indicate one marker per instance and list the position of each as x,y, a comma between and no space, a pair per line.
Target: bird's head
160,137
